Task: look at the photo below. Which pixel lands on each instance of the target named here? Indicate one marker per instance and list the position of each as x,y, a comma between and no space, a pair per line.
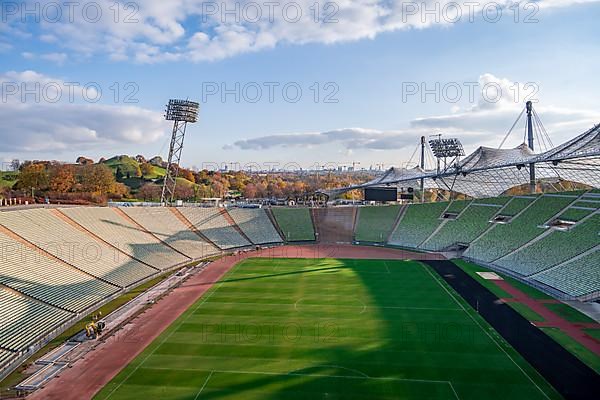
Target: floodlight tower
181,112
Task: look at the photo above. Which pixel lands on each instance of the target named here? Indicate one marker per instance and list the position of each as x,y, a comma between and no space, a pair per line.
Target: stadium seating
34,274
6,357
417,224
575,214
255,224
505,238
555,248
575,278
126,236
214,226
375,223
457,206
295,223
24,320
163,224
469,225
497,201
516,205
75,247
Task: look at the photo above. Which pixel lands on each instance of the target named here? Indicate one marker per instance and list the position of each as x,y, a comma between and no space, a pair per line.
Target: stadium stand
163,224
255,224
516,205
214,226
375,223
6,357
556,247
576,278
75,247
417,224
111,227
575,213
334,224
295,223
497,201
24,320
505,238
457,206
470,224
36,275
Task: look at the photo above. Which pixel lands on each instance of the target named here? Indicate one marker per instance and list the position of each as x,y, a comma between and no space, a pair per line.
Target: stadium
462,290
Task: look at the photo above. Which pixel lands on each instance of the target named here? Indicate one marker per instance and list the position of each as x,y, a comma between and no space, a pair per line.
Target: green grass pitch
329,329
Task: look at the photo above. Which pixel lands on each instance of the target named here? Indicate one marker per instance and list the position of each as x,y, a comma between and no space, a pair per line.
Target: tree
218,189
84,161
62,178
189,175
33,175
119,190
97,178
147,169
149,192
250,191
184,192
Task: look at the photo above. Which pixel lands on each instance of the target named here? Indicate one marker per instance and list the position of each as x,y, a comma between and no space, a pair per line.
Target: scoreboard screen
381,194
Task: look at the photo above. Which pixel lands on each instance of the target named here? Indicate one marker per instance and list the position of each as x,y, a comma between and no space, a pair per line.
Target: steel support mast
181,112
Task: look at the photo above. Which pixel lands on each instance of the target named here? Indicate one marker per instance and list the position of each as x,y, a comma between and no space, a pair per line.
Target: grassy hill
8,178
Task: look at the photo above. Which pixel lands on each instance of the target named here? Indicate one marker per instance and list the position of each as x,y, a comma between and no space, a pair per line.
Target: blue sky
369,58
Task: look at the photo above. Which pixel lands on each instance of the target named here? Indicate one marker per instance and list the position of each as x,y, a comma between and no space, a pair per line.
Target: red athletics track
551,319
88,375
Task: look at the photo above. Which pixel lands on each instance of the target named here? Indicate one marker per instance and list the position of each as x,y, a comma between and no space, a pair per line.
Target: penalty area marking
203,386
363,376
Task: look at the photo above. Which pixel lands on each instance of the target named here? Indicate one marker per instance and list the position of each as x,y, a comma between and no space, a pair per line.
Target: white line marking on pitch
359,377
203,386
386,267
205,298
485,331
331,366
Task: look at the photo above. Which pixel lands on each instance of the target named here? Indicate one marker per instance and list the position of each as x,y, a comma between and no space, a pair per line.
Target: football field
329,329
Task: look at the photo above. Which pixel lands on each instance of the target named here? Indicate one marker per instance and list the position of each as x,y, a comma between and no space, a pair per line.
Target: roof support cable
511,128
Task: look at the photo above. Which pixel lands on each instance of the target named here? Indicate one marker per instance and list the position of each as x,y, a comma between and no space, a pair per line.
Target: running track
88,375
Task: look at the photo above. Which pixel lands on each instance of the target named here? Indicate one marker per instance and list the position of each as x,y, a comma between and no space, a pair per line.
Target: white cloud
38,125
190,29
349,138
57,58
486,123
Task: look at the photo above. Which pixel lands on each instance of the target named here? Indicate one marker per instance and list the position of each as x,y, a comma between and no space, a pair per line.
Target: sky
289,84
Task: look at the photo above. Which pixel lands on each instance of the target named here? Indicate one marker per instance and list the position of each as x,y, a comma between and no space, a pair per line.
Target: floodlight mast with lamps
181,112
446,148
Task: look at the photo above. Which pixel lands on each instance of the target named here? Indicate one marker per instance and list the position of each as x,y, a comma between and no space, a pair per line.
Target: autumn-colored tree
62,178
250,191
146,168
97,178
184,192
187,174
149,192
84,160
218,189
33,175
119,190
